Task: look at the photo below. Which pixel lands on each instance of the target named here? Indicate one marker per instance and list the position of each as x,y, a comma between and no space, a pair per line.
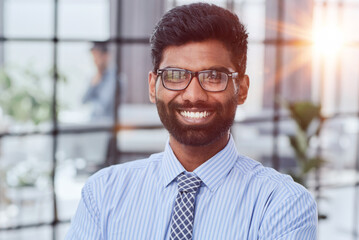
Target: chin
198,139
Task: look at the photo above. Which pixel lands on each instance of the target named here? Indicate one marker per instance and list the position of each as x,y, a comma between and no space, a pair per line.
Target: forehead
196,56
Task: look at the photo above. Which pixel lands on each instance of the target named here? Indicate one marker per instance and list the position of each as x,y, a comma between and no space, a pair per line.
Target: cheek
236,88
164,94
233,92
158,89
233,87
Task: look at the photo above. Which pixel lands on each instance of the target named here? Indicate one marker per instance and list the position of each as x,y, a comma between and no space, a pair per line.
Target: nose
194,92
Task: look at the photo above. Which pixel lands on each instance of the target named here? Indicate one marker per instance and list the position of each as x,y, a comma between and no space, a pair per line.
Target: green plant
309,122
4,200
28,173
23,97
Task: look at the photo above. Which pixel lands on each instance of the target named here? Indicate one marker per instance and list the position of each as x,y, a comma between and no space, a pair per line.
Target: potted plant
309,124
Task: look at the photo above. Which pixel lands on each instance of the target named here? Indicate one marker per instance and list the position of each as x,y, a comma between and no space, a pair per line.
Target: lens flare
328,40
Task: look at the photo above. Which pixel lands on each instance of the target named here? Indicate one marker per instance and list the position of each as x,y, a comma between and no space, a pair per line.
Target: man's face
100,58
194,116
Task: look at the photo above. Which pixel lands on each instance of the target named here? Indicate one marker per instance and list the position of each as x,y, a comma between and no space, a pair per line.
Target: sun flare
328,40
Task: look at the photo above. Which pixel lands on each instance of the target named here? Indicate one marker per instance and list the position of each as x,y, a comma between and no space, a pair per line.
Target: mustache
198,104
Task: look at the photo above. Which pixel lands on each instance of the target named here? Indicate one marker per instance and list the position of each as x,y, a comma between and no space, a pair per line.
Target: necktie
182,218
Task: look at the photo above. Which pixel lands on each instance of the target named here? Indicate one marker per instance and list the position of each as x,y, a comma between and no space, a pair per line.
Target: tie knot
188,182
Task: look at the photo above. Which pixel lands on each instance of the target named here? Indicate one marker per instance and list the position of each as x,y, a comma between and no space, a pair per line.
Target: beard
198,135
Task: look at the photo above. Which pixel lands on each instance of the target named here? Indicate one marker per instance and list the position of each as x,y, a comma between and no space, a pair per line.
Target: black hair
198,22
101,46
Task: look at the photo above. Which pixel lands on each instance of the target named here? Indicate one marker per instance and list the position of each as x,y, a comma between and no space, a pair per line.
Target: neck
192,157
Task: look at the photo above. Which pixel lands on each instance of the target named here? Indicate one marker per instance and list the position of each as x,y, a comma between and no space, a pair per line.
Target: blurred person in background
101,91
200,187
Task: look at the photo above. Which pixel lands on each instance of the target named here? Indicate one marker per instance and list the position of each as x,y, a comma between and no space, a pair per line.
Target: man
101,92
199,187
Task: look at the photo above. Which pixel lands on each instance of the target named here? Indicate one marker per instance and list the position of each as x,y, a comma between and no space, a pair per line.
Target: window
45,52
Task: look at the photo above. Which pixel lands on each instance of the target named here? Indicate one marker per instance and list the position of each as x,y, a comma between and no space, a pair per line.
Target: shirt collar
171,167
211,172
216,168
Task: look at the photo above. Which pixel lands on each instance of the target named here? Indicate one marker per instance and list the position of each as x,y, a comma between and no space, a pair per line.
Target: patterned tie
182,218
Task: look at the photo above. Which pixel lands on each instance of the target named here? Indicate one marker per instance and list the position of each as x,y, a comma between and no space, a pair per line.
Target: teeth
196,115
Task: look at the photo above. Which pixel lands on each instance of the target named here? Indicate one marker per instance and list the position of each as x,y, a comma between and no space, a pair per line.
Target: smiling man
197,108
200,187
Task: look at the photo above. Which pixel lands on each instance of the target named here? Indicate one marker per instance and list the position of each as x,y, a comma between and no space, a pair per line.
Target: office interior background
302,63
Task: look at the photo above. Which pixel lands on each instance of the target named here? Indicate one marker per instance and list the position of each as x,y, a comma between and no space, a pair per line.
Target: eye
175,75
213,77
216,75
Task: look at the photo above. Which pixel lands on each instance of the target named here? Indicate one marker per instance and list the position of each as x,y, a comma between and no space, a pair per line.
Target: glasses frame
230,76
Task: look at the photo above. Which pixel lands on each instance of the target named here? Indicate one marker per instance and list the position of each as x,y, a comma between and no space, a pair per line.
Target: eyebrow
217,68
220,69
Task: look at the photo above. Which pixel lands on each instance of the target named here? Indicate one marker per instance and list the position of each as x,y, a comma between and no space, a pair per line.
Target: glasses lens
213,80
175,79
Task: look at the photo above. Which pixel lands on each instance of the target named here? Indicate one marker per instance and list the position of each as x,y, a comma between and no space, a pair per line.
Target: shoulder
112,179
284,207
128,168
270,184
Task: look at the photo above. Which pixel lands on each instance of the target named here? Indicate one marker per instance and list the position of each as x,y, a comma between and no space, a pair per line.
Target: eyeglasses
178,79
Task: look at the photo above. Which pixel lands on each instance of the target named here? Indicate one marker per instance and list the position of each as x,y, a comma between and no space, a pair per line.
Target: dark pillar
1,32
295,71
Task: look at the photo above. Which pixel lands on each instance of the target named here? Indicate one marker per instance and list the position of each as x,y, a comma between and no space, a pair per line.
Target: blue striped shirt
238,199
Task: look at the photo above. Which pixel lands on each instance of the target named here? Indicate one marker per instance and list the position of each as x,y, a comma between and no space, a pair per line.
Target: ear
243,89
152,86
